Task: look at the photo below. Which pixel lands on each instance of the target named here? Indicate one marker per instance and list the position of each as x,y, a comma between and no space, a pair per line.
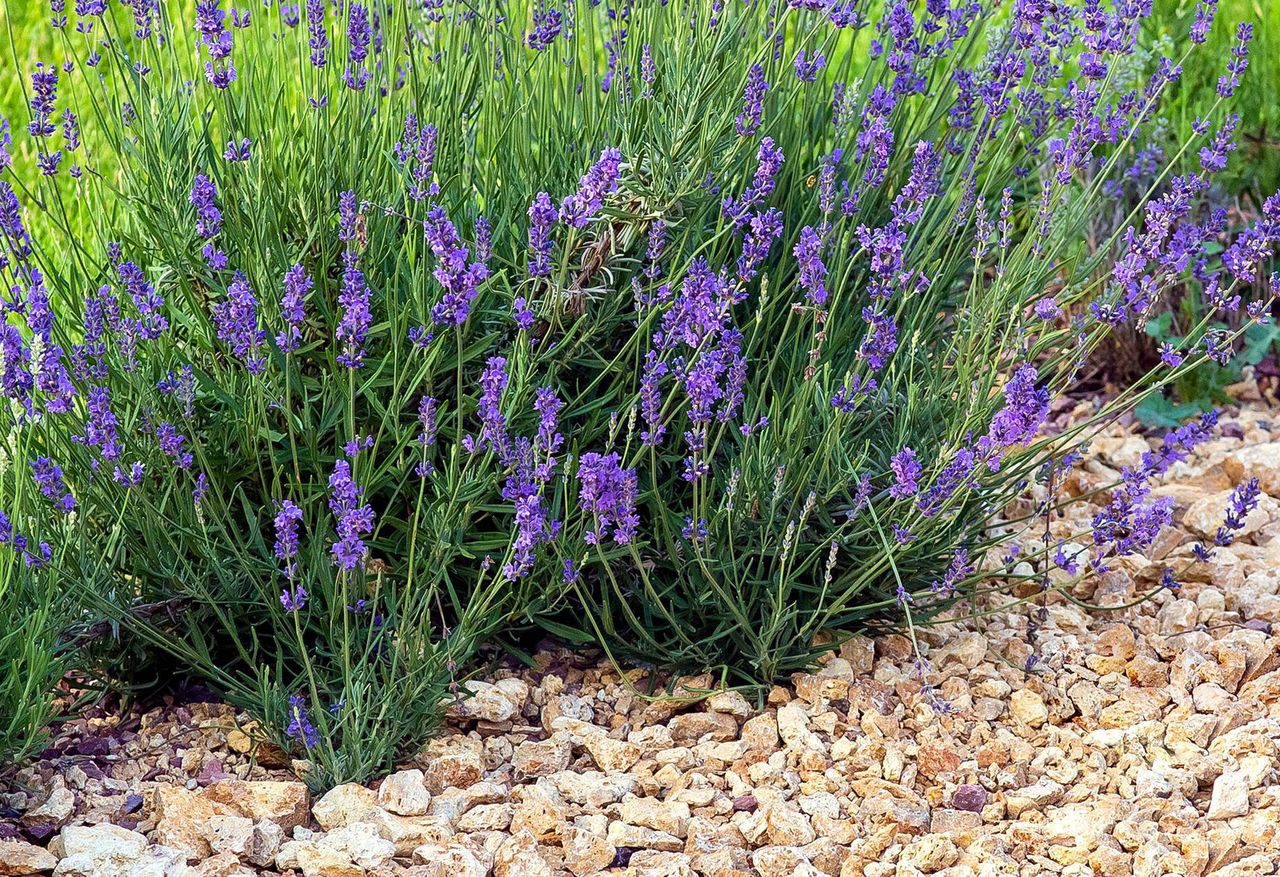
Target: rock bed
1144,741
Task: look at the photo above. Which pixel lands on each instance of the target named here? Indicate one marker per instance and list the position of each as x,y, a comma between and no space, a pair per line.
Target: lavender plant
696,331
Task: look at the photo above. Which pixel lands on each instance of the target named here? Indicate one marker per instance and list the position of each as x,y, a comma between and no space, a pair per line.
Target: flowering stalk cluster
482,334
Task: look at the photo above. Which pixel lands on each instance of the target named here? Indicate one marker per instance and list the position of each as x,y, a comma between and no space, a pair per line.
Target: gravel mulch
1141,741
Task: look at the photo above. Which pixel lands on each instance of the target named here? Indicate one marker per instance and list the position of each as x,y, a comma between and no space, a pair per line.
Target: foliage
672,328
32,665
1257,173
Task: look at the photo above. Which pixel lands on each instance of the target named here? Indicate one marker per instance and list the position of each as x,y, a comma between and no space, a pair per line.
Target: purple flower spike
351,518
356,315
44,94
1243,500
600,180
542,219
293,307
236,319
427,407
48,477
807,68
317,36
173,444
607,492
300,727
460,278
813,273
217,41
358,35
286,547
748,121
769,160
906,471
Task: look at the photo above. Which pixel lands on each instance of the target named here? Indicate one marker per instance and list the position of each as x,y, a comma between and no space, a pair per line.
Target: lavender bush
697,331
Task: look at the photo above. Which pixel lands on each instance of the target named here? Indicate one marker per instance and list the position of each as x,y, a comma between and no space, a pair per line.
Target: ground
1142,741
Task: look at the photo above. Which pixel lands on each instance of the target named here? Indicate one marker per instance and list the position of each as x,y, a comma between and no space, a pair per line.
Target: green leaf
1159,411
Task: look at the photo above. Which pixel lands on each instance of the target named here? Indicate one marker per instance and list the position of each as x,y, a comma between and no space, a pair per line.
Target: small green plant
1204,387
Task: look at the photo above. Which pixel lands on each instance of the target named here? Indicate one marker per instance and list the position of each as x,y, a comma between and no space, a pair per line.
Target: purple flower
546,26
813,273
1024,412
293,597
358,35
208,217
217,41
874,143
648,72
70,131
461,279
521,314
1177,445
762,230
357,444
173,444
101,428
807,69
238,152
960,569
300,727
695,532
427,407
348,217
493,425
769,161
318,37
351,518
130,477
881,339
1205,10
236,319
657,242
651,399
1063,562
906,470
1228,83
607,492
484,239
48,477
1047,309
356,315
748,121
6,143
600,180
416,152
852,394
44,94
293,307
548,439
542,219
1243,500
1170,356
183,385
286,548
